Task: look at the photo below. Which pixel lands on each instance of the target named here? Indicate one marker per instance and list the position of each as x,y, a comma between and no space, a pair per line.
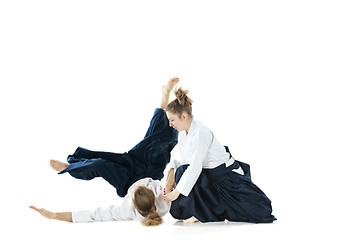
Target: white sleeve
201,144
175,157
97,215
111,213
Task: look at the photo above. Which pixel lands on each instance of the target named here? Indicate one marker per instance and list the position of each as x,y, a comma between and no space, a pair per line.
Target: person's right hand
167,201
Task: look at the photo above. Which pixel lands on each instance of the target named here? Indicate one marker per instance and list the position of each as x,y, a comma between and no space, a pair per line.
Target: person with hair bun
148,205
144,202
143,165
210,185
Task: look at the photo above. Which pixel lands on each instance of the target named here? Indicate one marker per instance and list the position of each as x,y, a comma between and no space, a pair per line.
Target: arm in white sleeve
111,213
97,215
201,144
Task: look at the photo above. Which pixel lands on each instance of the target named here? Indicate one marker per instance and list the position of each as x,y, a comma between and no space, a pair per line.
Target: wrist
175,193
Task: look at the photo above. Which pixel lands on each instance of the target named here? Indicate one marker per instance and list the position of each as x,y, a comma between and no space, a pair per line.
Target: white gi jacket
200,149
125,210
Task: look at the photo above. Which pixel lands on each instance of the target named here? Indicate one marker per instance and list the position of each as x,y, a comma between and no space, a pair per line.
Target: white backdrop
276,81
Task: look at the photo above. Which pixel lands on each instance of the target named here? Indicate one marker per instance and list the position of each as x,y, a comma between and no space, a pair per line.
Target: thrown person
146,161
144,202
210,185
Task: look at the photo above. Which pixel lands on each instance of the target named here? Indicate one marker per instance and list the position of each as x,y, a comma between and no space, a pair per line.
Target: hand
44,213
172,196
166,191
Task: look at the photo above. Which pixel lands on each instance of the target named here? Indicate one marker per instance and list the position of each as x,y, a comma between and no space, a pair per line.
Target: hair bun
152,219
182,98
181,104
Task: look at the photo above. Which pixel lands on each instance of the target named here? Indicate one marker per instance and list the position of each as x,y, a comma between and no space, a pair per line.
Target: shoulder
202,131
153,182
155,186
143,181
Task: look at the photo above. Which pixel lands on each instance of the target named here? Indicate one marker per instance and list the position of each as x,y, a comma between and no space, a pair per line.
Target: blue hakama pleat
221,194
147,159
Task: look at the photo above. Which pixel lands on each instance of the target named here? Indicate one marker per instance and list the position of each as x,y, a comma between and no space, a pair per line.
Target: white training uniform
125,210
200,149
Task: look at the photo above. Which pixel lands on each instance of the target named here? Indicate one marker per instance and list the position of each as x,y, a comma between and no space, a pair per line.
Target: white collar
192,127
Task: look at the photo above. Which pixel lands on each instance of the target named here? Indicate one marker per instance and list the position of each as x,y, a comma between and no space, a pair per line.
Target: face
179,123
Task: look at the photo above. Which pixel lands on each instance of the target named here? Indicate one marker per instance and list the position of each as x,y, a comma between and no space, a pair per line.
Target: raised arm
173,164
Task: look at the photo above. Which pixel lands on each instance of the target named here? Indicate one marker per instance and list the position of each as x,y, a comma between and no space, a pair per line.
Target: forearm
188,179
63,216
170,181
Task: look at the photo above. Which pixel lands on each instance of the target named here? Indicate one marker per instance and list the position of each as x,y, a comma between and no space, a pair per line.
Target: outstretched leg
117,174
166,90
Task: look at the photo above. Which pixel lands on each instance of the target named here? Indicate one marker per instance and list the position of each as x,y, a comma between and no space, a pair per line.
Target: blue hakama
220,194
147,159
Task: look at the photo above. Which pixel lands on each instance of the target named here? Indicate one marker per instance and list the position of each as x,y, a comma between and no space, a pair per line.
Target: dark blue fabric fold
147,159
221,194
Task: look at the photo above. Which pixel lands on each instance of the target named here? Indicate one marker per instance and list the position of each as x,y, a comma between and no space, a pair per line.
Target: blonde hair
181,104
144,201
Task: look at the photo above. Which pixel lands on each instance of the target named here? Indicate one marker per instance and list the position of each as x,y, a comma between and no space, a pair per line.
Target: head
179,111
144,202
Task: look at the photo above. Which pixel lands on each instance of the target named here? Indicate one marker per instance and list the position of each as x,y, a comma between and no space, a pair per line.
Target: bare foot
191,220
57,165
166,90
171,83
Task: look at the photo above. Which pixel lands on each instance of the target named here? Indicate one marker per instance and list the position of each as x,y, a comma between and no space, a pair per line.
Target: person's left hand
171,196
44,212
